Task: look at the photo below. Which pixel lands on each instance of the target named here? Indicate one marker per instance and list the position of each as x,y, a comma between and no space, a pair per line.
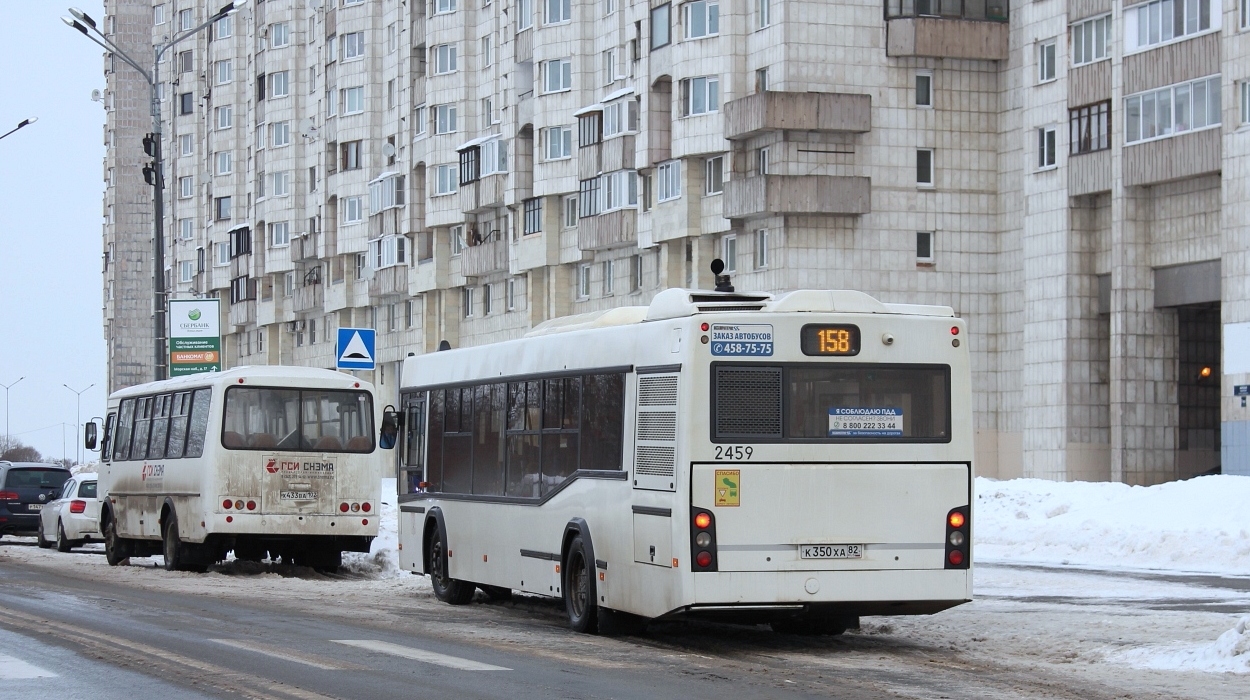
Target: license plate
298,496
831,551
34,507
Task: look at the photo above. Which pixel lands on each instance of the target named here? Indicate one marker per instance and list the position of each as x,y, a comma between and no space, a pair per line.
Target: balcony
611,154
967,29
389,282
484,258
610,230
243,313
304,247
309,297
385,222
774,195
800,111
483,194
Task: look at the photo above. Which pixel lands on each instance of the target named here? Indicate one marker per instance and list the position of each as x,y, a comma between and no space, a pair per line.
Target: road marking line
307,659
12,669
428,657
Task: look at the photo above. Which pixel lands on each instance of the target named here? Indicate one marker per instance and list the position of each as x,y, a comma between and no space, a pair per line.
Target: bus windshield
297,420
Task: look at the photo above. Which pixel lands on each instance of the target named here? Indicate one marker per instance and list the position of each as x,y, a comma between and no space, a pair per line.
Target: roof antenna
443,345
722,281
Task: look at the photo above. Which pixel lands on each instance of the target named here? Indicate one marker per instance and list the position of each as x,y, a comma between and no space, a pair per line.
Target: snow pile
1230,653
382,561
1199,525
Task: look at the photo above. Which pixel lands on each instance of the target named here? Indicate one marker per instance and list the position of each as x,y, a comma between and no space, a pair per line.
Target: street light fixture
7,434
83,23
24,122
77,420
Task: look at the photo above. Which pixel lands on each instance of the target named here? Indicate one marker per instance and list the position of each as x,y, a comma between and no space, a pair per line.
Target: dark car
24,489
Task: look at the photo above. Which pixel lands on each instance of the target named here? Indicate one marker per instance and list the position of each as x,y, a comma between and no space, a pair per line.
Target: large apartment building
1066,174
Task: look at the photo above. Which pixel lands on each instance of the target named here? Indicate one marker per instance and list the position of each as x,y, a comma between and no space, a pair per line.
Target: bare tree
14,450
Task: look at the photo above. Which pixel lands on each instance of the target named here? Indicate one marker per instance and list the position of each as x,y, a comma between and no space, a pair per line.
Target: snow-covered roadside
382,560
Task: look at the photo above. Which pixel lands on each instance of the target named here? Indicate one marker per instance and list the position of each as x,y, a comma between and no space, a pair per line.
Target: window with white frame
332,103
261,136
620,117
635,273
1046,155
924,89
224,27
729,252
279,35
701,18
559,142
388,251
609,6
557,11
1046,61
186,20
421,119
332,51
353,45
312,80
186,270
1159,22
158,14
225,117
609,277
511,294
583,282
924,247
1245,101
353,100
225,71
608,65
353,210
568,205
714,175
1172,110
924,167
700,96
223,254
444,119
262,184
488,50
225,162
668,180
525,14
761,161
186,187
443,56
442,6
456,234
280,234
279,84
186,229
489,115
762,253
619,190
386,193
493,157
281,133
558,75
763,13
488,291
282,183
447,179
186,144
467,301
1091,40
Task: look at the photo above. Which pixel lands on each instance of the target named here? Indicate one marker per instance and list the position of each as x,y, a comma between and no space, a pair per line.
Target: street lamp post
78,419
7,434
152,146
24,122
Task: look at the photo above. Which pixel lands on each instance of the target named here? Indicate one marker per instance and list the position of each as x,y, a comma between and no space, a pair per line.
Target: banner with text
194,337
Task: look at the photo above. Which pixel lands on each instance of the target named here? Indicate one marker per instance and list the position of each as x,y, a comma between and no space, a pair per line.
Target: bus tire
580,597
172,547
446,589
116,549
496,593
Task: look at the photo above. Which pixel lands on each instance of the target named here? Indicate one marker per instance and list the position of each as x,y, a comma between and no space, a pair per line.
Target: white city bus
277,460
799,459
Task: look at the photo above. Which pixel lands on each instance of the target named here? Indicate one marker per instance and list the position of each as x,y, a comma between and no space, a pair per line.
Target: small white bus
277,460
800,459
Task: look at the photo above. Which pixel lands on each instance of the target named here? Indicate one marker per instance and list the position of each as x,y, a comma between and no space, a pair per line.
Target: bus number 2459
734,452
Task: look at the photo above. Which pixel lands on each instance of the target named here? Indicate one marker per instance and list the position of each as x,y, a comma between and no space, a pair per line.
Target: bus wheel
115,549
446,589
496,593
173,548
580,600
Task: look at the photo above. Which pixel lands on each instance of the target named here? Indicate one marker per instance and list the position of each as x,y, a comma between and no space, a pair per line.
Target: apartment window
224,27
186,187
620,117
386,193
442,6
225,162
225,117
280,84
261,131
609,275
389,251
533,219
1159,22
761,80
924,167
510,292
608,59
281,133
761,161
488,291
221,209
420,119
186,229
445,119
583,282
620,190
240,242
312,80
353,100
1245,100
569,207
661,26
1089,128
186,20
332,52
350,155
924,89
312,179
1091,40
186,270
353,210
225,71
1172,110
488,53
488,112
525,14
609,6
186,144
668,177
223,254
714,175
635,273
158,14
1046,61
467,300
557,75
558,11
763,13
701,18
1046,147
279,35
444,58
332,103
282,183
186,62
456,234
588,197
589,129
186,103
262,183
353,45
924,247
280,234
762,252
288,290
700,96
447,179
729,252
494,156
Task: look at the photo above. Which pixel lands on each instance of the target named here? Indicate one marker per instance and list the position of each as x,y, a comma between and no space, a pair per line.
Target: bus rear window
297,420
832,402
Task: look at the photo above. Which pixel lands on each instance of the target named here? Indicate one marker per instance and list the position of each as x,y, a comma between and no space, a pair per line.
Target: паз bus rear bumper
278,525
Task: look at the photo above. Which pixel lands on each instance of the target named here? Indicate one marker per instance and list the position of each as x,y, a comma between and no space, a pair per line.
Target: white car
74,517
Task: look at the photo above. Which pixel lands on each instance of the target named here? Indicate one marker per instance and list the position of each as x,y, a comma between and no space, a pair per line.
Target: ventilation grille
651,460
657,390
657,425
748,402
733,307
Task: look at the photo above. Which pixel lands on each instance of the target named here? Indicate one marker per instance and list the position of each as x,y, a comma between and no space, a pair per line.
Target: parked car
73,519
25,488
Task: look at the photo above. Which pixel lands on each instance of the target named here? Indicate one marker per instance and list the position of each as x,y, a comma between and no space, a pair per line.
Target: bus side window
603,422
199,422
106,442
125,427
414,443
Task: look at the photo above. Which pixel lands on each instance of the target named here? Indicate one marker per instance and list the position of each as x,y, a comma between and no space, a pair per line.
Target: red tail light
77,506
227,504
343,507
366,507
958,538
8,496
702,541
251,505
703,559
956,557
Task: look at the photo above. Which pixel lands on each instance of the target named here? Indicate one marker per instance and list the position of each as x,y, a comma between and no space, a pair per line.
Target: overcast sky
51,191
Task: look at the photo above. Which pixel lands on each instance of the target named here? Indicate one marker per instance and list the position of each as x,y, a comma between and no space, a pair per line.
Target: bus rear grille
659,390
748,402
655,461
658,425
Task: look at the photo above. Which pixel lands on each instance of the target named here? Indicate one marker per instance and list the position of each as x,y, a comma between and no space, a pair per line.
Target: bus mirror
391,421
89,435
